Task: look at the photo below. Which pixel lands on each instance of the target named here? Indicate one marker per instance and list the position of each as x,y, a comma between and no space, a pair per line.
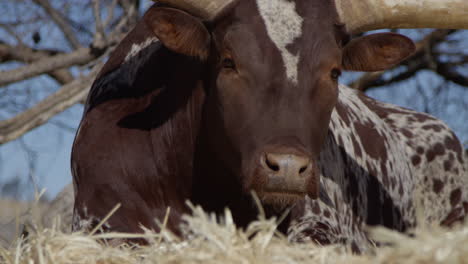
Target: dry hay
9,209
17,217
12,213
221,242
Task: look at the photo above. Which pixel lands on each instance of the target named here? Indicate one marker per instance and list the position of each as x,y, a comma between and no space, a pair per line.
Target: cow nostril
289,164
302,169
271,164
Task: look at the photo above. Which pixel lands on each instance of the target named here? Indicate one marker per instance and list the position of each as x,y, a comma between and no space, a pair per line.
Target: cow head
272,82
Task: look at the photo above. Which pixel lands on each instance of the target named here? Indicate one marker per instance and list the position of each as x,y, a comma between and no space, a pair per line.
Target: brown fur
179,31
163,126
376,52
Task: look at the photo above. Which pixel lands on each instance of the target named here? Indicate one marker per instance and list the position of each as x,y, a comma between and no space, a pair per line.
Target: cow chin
279,201
280,194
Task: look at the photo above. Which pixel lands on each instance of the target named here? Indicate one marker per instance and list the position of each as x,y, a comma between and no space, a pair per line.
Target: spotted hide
379,164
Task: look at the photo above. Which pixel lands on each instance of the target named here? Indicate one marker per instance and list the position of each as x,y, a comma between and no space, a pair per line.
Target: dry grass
9,209
214,242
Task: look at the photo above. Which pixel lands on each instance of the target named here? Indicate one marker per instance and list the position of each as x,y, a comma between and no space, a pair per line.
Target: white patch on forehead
136,48
283,26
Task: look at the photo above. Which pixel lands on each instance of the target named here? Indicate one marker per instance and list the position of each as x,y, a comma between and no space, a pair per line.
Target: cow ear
376,52
179,31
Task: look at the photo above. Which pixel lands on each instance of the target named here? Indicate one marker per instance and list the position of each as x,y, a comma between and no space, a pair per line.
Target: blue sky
50,145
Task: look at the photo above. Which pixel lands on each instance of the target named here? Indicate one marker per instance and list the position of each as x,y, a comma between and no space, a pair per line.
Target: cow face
272,84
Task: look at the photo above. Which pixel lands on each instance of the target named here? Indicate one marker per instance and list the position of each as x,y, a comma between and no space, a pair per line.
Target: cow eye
229,64
335,74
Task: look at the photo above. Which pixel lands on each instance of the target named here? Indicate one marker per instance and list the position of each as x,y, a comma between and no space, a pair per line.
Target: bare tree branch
25,54
131,9
67,96
61,23
55,63
100,35
10,31
79,57
110,14
463,59
448,73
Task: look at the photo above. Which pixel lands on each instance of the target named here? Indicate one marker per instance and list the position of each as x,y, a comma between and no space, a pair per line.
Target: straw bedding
212,241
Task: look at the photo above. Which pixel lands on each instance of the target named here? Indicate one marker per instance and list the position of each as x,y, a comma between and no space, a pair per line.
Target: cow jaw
279,201
281,196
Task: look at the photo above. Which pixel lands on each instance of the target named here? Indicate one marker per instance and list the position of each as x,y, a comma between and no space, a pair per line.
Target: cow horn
207,10
365,15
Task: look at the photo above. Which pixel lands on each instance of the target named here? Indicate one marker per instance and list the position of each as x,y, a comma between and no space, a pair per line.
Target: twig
104,220
8,29
61,23
99,36
78,57
110,14
450,74
67,96
27,55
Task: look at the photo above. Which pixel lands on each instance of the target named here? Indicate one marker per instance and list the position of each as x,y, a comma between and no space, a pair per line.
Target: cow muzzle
289,176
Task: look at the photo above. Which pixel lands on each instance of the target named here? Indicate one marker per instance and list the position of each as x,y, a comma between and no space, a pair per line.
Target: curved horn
207,10
365,15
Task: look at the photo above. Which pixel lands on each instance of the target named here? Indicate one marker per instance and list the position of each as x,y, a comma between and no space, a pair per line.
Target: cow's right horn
207,10
365,15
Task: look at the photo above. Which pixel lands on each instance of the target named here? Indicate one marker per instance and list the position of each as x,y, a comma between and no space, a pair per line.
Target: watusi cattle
210,100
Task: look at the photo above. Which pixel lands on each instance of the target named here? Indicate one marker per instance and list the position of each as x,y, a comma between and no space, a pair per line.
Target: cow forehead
284,26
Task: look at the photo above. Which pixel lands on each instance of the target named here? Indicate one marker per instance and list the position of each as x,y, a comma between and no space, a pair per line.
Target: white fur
283,26
415,180
136,48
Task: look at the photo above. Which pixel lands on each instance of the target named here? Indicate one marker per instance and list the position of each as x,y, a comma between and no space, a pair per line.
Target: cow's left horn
207,10
365,15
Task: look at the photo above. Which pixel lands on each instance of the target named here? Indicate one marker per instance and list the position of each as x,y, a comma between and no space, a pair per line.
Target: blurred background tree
51,50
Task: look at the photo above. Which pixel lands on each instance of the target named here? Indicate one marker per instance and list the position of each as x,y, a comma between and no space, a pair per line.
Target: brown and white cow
210,100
